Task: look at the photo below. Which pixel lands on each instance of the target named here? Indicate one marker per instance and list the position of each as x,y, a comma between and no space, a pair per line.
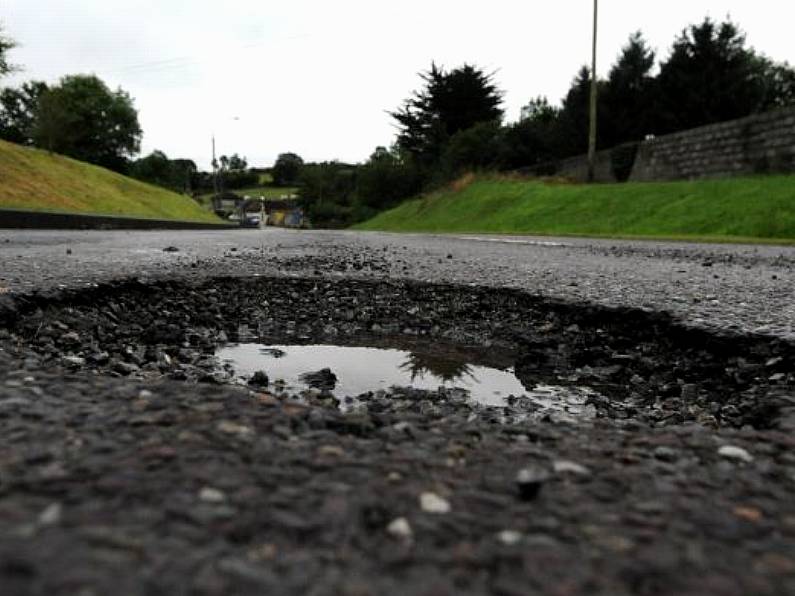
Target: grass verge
735,209
35,180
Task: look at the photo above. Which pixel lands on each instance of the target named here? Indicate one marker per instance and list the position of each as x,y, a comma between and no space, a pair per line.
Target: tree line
454,122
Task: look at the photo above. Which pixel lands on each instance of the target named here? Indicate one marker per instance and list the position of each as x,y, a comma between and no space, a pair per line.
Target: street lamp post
592,127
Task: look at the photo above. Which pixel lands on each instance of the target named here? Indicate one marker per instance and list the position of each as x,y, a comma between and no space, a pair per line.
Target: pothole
627,364
347,372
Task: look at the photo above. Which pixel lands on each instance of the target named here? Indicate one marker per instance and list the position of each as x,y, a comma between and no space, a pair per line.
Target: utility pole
215,179
592,128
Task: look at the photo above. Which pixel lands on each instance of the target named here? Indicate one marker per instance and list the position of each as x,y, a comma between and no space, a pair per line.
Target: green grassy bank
36,180
736,209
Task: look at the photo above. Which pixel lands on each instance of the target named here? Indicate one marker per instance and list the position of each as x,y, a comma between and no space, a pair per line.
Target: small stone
509,537
233,428
751,514
73,361
259,379
322,379
529,481
170,249
570,467
394,477
71,338
666,454
51,515
400,528
126,368
330,451
689,392
433,503
211,495
735,453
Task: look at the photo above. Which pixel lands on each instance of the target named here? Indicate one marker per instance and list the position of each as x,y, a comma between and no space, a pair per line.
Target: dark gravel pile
644,365
129,464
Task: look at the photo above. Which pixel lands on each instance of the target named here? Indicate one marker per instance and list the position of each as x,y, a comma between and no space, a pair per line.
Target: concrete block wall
758,144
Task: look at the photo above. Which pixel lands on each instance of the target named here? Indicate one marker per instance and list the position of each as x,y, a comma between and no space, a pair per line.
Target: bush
478,148
386,179
287,169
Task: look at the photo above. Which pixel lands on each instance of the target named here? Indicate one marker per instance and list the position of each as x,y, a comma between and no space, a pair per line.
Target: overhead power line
186,61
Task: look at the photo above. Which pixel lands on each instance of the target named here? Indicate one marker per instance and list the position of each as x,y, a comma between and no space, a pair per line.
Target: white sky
317,77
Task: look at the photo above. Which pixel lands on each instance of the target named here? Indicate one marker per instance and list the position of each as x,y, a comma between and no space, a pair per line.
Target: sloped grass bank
35,180
737,209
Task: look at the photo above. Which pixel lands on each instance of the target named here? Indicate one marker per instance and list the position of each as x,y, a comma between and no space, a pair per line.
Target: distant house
227,203
285,213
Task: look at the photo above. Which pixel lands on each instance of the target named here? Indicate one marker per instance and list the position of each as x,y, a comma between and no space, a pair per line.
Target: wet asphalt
746,288
110,483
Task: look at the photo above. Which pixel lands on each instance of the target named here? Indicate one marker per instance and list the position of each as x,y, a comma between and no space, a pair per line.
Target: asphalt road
117,482
738,287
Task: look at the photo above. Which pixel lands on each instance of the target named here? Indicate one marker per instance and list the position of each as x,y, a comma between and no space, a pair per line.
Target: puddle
515,241
362,369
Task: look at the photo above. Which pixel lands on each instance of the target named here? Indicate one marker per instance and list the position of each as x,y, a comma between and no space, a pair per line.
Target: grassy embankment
755,209
35,180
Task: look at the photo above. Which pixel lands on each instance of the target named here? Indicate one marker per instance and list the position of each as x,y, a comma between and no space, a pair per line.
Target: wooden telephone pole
592,128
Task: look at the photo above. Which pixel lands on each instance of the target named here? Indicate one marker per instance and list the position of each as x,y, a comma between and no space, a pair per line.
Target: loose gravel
131,462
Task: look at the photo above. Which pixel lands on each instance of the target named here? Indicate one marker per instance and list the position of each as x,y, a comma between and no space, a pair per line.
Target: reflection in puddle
359,370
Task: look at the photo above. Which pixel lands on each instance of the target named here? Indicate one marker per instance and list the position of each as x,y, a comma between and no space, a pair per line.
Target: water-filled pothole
644,365
359,370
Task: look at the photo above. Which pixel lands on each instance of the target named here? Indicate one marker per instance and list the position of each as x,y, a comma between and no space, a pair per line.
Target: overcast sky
317,77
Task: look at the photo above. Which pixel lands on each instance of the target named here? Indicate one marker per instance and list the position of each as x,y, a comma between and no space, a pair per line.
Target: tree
82,118
628,96
287,169
6,44
778,82
237,163
450,102
18,111
711,76
479,147
327,192
575,117
536,138
157,168
386,178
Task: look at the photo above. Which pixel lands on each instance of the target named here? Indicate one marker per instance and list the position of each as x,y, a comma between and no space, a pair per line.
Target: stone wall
758,144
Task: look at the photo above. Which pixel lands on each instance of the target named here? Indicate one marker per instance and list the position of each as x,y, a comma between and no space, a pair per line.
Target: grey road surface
115,481
739,287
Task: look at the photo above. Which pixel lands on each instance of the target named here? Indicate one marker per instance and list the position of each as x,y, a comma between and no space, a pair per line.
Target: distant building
285,213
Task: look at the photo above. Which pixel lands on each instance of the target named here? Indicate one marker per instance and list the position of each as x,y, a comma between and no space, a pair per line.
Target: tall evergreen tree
628,95
450,102
710,76
575,116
